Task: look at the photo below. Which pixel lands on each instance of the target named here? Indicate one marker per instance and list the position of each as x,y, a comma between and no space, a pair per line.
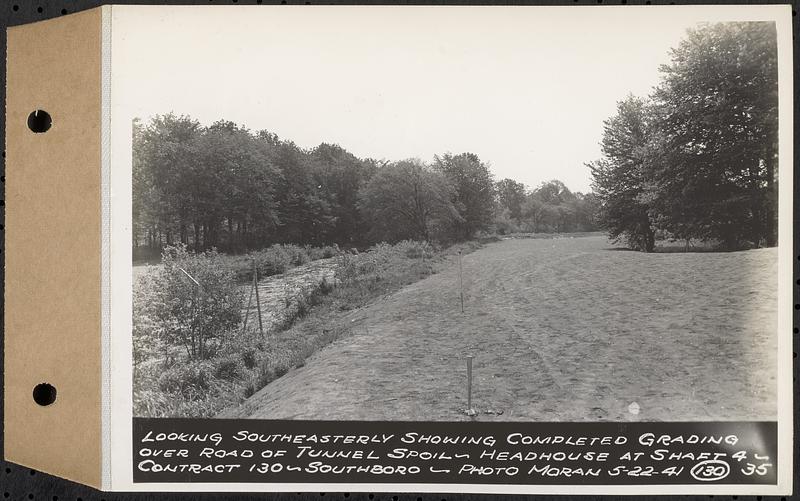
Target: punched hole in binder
39,121
44,394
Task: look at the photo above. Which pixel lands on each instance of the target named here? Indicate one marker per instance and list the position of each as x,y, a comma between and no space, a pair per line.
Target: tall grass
277,259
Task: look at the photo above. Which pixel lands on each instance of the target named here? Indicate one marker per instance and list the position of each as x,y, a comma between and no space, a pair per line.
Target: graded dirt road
561,330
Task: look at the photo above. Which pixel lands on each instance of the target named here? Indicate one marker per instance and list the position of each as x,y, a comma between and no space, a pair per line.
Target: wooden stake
258,300
461,281
469,384
247,311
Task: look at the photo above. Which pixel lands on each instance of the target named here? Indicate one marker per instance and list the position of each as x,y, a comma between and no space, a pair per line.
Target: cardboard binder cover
53,251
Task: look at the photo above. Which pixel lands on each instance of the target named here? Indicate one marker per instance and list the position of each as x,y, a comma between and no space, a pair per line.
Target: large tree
715,178
165,170
340,175
473,191
407,200
620,178
238,184
510,197
306,215
550,208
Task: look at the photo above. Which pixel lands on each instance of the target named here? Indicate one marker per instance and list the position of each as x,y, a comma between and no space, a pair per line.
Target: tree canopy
224,186
698,158
408,200
473,191
619,179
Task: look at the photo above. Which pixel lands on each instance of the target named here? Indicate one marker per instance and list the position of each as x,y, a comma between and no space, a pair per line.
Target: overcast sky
526,89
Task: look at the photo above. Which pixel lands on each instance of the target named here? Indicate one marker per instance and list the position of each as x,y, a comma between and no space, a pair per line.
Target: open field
562,330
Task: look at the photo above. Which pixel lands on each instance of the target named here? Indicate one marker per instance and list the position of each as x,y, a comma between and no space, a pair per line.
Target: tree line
697,159
549,208
224,186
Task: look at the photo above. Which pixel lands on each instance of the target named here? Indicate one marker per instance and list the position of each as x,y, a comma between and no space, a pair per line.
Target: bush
330,251
194,301
413,249
376,258
230,368
298,256
188,379
326,252
145,336
346,269
299,302
278,259
272,261
249,357
326,286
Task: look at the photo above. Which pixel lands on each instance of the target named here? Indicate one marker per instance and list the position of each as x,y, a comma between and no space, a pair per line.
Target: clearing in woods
561,330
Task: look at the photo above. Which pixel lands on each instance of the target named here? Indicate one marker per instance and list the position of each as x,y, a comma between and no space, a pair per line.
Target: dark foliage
698,160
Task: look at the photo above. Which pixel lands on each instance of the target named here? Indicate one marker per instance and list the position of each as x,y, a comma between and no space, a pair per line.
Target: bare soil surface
561,330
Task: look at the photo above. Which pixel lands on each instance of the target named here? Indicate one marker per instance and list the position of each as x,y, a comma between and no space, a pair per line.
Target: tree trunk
650,240
230,244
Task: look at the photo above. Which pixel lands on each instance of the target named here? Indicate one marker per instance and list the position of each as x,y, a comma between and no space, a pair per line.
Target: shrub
375,259
249,357
195,301
298,256
272,261
155,403
145,329
326,252
277,259
230,367
330,251
189,379
413,249
326,286
300,301
346,269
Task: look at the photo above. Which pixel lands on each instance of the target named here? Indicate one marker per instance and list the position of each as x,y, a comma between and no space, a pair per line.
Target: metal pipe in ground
469,385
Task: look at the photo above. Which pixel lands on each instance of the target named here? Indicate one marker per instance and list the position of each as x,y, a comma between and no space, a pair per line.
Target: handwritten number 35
752,469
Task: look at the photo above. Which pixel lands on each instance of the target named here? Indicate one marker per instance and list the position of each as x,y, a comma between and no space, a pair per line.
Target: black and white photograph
457,215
